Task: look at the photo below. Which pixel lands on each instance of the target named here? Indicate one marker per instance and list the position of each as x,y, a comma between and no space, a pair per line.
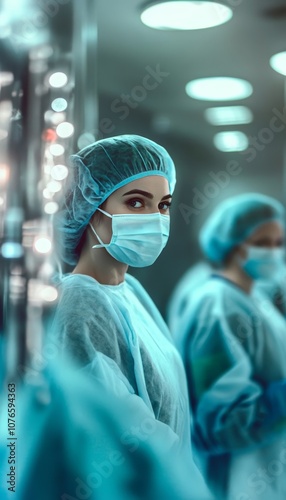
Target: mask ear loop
105,213
102,245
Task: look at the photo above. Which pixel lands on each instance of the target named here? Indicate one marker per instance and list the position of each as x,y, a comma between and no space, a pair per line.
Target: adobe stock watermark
39,361
219,10
234,3
102,471
261,480
31,26
52,349
222,178
126,102
243,327
201,198
252,322
279,297
266,135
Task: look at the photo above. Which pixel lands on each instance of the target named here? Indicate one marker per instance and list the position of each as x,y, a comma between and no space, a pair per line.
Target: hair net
95,173
234,220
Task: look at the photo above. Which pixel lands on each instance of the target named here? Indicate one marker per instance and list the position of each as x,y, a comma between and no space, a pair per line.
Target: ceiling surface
141,74
239,48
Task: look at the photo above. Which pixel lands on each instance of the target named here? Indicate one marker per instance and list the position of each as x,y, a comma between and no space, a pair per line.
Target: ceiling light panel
231,141
278,63
228,115
185,15
219,89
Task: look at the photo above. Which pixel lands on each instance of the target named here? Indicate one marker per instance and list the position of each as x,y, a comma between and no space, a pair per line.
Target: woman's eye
135,203
164,206
259,244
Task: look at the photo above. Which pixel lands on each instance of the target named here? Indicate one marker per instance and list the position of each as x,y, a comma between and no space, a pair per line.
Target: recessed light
58,80
57,149
4,173
51,207
65,129
3,134
6,78
59,172
59,104
231,141
228,115
54,186
42,244
185,15
48,293
11,250
219,89
278,63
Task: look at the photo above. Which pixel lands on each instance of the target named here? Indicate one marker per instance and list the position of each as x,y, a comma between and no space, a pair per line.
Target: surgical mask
264,263
137,239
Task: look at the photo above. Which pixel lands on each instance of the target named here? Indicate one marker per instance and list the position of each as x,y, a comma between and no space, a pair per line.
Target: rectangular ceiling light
228,115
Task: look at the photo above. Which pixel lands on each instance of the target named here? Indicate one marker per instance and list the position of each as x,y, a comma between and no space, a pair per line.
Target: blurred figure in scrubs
183,292
116,214
233,344
76,441
274,288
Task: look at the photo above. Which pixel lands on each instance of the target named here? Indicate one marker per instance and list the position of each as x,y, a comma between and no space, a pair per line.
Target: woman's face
269,235
143,196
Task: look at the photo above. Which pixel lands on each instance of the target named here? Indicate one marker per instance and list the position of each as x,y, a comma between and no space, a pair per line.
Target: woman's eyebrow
145,193
138,191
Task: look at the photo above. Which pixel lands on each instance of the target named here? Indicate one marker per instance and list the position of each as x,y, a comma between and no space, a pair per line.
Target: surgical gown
234,350
275,291
117,333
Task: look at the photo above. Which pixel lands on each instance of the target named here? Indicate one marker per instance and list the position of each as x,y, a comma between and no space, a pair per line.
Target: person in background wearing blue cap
274,287
233,343
115,214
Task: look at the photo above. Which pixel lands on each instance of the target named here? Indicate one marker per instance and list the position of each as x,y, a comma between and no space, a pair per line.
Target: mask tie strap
105,213
102,245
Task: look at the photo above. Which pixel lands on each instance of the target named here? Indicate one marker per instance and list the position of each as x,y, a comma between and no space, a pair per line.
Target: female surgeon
116,214
233,344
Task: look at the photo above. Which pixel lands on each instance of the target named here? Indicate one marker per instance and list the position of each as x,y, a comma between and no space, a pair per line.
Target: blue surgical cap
234,220
95,173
